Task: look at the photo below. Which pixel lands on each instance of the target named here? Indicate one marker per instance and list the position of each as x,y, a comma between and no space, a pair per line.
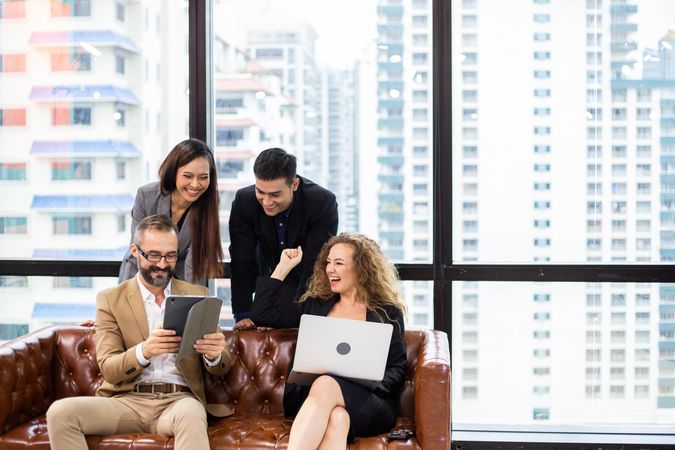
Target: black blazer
270,301
254,247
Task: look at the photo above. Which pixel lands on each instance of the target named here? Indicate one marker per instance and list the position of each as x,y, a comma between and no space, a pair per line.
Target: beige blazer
121,324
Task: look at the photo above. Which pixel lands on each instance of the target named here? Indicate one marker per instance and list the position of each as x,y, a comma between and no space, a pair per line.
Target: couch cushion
254,431
29,435
242,432
250,431
33,436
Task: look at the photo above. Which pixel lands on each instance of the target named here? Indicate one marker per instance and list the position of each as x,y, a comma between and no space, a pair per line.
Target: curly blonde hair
377,278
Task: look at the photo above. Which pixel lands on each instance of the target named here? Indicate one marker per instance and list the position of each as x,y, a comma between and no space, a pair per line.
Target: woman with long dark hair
187,192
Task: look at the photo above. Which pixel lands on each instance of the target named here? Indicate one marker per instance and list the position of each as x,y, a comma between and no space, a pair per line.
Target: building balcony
97,93
393,75
667,254
96,38
390,123
390,84
623,9
391,234
64,311
664,363
390,140
666,238
652,83
81,253
628,46
390,10
393,48
394,254
390,160
390,103
224,86
623,27
390,178
83,203
667,308
390,28
617,64
390,66
84,149
390,197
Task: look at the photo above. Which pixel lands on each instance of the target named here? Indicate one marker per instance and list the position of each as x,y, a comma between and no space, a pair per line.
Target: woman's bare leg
335,437
312,420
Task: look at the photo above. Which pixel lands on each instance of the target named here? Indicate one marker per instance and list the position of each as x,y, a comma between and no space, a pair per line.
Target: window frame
442,270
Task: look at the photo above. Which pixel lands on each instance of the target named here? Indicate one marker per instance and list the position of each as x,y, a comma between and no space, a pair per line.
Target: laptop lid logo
343,348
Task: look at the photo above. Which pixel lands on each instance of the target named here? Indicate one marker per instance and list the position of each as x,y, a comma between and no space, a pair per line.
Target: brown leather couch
58,362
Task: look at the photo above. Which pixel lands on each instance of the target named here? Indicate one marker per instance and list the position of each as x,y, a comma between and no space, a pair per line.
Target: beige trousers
180,415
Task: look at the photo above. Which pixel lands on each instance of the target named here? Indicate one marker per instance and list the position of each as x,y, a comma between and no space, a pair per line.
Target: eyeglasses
154,257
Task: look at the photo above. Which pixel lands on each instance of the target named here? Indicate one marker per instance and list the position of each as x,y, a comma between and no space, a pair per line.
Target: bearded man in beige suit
145,388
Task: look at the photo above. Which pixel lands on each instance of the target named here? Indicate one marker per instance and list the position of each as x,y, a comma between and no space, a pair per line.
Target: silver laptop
352,349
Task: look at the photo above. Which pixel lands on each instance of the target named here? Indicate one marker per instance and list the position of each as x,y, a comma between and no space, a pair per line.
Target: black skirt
369,414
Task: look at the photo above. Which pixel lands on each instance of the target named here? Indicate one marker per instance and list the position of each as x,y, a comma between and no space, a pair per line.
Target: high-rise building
558,139
251,113
404,141
288,51
92,96
339,103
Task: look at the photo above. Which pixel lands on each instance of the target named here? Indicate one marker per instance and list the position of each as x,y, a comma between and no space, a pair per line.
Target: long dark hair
207,251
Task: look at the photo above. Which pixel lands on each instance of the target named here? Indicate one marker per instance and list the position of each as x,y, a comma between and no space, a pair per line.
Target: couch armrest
432,391
26,386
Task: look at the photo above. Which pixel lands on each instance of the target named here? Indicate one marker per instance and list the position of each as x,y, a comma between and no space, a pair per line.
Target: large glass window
355,109
548,168
75,144
568,124
589,354
570,162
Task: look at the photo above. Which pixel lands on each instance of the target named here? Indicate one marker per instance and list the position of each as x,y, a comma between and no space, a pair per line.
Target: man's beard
162,282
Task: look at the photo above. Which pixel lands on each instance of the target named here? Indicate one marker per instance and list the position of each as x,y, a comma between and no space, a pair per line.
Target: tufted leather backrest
26,371
75,368
255,382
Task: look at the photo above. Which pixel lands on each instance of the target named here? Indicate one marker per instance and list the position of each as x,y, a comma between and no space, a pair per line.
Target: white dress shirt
161,368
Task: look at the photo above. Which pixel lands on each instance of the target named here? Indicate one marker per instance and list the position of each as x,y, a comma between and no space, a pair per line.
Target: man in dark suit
145,387
281,210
